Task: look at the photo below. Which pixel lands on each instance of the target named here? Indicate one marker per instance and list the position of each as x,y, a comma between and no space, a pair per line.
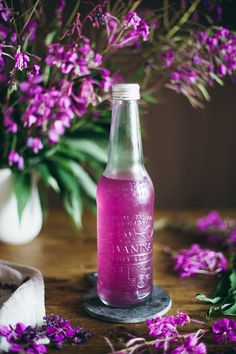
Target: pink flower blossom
196,260
35,144
56,130
232,238
106,82
22,60
212,219
166,327
224,331
132,20
15,159
124,34
191,346
168,58
86,91
8,121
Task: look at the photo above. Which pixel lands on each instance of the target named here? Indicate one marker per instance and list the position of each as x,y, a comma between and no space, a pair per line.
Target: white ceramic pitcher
13,231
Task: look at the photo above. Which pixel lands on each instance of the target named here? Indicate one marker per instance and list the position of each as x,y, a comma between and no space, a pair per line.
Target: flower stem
73,13
183,19
27,21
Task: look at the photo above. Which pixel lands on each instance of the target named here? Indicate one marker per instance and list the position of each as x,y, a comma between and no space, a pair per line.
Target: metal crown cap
126,92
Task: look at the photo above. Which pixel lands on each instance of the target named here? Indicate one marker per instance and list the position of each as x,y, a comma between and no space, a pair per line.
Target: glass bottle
125,203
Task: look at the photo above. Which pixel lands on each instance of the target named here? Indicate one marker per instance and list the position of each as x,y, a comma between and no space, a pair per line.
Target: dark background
191,153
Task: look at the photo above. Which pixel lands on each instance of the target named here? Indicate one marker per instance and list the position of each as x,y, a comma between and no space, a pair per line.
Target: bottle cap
125,92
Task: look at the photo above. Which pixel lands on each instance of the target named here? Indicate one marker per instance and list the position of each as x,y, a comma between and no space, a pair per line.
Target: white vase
12,230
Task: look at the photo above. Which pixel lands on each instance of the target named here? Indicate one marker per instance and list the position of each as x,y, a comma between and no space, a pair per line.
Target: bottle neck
125,158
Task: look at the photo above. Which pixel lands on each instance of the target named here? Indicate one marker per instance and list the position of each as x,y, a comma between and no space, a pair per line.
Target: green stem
26,23
166,13
73,13
183,19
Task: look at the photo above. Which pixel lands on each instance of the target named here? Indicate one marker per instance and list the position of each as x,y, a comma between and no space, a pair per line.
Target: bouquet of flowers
57,70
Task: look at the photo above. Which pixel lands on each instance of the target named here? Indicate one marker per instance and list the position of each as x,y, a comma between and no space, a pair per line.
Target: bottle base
125,306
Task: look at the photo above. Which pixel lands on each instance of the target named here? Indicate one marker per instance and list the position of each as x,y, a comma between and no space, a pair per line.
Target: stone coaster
157,305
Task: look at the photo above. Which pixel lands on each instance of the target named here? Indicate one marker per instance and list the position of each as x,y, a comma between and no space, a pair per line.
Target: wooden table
64,256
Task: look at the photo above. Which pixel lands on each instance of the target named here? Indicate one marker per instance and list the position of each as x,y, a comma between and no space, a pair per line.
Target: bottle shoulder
114,184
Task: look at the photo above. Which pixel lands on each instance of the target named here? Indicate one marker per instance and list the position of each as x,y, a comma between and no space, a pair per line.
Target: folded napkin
21,296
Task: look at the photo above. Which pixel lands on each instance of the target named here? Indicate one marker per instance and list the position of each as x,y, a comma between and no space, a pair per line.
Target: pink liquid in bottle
125,240
125,201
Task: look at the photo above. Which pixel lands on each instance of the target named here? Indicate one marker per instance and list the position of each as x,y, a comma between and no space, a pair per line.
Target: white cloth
22,295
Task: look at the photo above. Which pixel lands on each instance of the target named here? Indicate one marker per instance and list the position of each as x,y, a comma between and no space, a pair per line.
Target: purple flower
224,331
20,328
182,318
132,20
106,82
203,37
8,122
15,348
166,327
30,31
162,327
76,60
189,75
222,33
3,32
191,346
51,109
212,219
97,59
35,144
4,331
127,33
22,60
30,340
175,76
56,130
168,58
59,330
13,37
197,59
222,70
59,12
232,238
195,260
4,12
15,159
86,91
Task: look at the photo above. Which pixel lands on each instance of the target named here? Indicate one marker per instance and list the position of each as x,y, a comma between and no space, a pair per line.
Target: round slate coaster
157,305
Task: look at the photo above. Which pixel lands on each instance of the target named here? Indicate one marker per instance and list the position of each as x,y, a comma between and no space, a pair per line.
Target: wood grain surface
65,256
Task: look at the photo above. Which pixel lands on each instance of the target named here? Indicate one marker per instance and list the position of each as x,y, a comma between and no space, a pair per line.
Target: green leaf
231,309
22,189
88,147
73,205
66,180
43,199
71,194
220,292
224,296
49,180
204,92
139,74
84,179
213,310
217,79
49,37
214,300
220,296
150,98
